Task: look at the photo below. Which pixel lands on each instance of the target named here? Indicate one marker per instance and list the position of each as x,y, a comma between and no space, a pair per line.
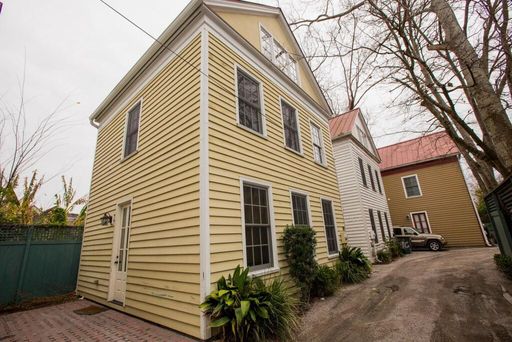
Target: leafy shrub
299,247
384,256
326,281
394,248
504,264
283,318
353,266
247,309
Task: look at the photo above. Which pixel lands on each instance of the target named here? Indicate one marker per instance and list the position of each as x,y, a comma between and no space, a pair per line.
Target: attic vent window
278,55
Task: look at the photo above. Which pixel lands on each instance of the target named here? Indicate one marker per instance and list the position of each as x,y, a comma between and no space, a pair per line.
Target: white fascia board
146,59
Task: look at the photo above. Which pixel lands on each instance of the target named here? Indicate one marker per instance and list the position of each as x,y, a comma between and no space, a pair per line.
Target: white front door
121,254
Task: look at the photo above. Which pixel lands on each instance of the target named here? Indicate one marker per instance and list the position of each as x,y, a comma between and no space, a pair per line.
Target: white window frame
322,146
334,255
417,182
122,202
303,193
268,185
295,61
262,102
300,152
426,215
126,116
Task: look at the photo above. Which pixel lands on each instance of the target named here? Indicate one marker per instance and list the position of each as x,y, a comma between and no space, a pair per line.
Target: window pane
372,223
249,111
363,174
317,144
377,179
266,44
330,229
411,186
132,130
300,209
371,177
291,131
257,230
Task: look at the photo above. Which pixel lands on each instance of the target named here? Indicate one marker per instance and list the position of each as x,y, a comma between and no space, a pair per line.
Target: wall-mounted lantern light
106,219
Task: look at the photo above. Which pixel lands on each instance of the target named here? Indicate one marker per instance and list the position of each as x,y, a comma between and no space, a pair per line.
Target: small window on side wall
249,102
330,227
318,150
411,186
300,209
291,126
132,130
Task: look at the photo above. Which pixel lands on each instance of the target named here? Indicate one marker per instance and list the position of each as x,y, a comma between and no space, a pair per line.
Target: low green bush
504,264
248,309
353,266
394,248
299,247
384,256
326,281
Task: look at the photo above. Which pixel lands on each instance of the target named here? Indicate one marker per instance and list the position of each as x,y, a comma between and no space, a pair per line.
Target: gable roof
342,124
175,29
425,148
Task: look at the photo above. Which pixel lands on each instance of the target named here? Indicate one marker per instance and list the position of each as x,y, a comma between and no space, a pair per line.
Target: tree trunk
491,110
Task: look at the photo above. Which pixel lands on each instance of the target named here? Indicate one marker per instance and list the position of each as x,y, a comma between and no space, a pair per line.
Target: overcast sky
76,52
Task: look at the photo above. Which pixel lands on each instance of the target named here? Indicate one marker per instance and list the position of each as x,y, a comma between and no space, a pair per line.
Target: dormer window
278,55
363,138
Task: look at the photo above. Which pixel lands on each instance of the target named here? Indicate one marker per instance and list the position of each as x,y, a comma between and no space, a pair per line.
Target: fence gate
38,261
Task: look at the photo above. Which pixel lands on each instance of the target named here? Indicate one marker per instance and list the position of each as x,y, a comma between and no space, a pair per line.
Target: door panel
121,254
421,223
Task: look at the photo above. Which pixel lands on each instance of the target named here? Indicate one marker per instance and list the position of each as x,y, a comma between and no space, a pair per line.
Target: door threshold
117,302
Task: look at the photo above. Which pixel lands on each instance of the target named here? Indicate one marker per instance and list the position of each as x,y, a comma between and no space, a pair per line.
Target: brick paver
60,323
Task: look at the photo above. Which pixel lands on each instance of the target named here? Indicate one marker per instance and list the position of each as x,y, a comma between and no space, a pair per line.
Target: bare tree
22,144
450,59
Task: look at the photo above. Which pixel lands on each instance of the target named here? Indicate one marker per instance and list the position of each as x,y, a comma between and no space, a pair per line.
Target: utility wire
230,91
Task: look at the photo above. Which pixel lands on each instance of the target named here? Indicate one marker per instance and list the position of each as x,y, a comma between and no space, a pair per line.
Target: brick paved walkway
60,323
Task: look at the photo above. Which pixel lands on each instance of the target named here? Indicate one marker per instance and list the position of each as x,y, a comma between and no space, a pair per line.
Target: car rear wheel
434,245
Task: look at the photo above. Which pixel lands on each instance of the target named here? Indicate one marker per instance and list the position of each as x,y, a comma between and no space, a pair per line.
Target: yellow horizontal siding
235,152
162,177
445,198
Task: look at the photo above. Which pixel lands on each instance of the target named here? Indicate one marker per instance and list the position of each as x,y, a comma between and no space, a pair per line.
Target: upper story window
377,179
132,130
300,209
318,150
371,177
278,55
361,169
363,137
249,102
411,186
291,126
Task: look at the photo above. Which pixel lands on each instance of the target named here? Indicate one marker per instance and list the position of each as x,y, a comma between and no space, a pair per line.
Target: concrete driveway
445,296
60,323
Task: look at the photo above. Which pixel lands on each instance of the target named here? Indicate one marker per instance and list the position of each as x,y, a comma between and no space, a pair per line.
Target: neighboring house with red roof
426,189
365,209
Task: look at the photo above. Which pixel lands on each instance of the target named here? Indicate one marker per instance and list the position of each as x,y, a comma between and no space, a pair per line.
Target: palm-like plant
353,266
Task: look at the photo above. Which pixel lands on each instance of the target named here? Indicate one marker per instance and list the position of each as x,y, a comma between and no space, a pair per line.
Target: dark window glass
258,241
371,177
291,131
387,223
330,228
379,215
372,222
411,186
377,179
132,130
397,231
249,102
363,175
318,152
300,209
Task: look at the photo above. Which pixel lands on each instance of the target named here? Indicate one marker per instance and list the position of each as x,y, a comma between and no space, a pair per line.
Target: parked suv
433,242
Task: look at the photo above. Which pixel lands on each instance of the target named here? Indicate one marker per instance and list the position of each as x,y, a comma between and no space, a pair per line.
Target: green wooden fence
37,261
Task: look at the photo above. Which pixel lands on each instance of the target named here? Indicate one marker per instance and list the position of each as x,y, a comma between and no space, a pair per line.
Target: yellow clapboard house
212,143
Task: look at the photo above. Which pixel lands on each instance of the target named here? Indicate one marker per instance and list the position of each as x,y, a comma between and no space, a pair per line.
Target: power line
168,48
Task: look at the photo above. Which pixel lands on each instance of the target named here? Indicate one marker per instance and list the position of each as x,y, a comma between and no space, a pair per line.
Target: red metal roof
433,146
343,123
